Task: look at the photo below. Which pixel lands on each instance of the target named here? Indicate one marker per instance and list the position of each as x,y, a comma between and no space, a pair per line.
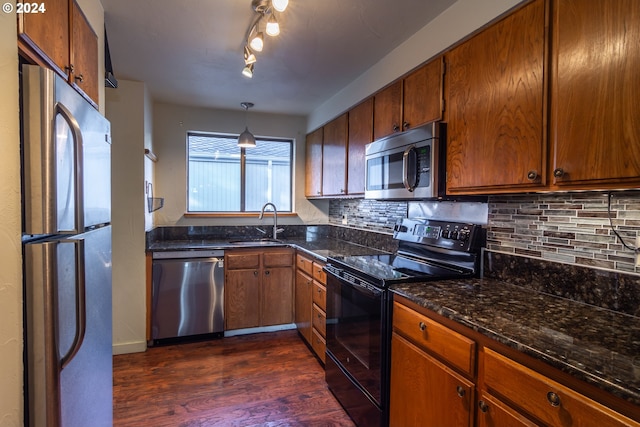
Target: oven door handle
360,285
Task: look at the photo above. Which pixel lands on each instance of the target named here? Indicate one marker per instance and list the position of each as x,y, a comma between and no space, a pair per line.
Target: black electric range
358,323
427,250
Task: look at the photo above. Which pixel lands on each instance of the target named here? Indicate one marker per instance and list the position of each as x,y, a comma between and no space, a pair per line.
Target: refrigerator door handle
77,139
81,306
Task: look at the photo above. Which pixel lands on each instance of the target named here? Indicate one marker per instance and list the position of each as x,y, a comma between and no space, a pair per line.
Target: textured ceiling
189,52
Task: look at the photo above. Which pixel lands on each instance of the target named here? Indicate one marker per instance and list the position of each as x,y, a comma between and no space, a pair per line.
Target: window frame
243,178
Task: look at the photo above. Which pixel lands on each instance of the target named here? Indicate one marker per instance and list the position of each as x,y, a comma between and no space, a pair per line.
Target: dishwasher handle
186,254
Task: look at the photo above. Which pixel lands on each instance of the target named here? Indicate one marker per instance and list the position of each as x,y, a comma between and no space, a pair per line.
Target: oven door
356,348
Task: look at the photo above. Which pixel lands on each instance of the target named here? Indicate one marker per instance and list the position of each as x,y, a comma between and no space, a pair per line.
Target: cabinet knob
558,173
483,406
532,175
422,326
79,78
405,125
255,273
553,399
266,273
396,128
460,391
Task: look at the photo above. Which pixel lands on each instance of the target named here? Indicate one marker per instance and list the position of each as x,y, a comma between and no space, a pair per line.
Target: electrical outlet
637,253
344,219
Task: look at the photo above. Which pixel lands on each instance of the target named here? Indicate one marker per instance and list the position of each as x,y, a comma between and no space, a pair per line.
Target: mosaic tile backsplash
571,228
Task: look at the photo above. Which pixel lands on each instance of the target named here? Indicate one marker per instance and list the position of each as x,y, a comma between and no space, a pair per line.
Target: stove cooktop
389,267
429,250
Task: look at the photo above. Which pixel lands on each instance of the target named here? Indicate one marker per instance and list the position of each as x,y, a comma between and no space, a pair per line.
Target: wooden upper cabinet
595,132
313,164
62,38
334,157
496,107
47,34
409,102
387,110
84,54
423,95
360,134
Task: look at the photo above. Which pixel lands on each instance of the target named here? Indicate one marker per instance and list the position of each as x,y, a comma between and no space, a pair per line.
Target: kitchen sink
256,242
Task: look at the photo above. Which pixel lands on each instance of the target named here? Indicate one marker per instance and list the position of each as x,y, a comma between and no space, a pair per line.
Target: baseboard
130,347
235,332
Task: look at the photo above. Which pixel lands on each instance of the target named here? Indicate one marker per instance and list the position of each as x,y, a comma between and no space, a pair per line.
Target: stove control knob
445,234
454,235
464,235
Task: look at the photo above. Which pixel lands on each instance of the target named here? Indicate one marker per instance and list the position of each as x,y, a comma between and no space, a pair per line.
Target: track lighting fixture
265,9
247,71
249,57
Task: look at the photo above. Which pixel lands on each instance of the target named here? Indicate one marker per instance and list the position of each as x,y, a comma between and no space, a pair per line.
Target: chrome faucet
276,230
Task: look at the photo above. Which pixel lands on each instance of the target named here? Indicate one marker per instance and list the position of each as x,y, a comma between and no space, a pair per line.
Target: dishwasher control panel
198,253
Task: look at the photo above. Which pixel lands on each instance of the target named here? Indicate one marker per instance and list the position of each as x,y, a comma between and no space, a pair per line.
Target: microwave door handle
408,157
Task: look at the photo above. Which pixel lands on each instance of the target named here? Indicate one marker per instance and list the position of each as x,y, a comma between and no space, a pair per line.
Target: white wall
171,123
11,369
461,19
125,109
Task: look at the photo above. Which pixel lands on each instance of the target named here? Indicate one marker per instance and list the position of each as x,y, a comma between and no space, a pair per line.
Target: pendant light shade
273,29
280,5
246,138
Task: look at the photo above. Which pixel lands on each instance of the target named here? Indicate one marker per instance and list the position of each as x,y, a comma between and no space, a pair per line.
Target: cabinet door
496,105
595,91
387,111
334,157
424,392
277,296
304,286
542,398
48,33
84,54
422,95
360,134
313,164
493,413
242,299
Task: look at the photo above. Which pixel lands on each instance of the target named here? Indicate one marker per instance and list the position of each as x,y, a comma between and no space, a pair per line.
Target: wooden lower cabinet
426,391
543,399
431,385
310,302
493,413
258,289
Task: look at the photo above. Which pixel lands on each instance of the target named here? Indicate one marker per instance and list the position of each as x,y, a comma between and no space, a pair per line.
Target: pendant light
246,138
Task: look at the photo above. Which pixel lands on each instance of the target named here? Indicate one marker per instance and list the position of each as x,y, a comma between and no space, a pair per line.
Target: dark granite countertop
597,345
320,247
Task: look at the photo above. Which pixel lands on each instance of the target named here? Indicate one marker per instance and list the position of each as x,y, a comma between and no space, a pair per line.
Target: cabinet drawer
304,264
319,320
319,345
492,412
278,258
319,274
320,295
242,260
543,398
455,349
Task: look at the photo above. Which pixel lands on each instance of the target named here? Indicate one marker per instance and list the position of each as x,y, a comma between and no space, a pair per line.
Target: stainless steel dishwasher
187,295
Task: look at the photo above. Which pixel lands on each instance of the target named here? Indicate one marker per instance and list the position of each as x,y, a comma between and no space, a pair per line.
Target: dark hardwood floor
269,379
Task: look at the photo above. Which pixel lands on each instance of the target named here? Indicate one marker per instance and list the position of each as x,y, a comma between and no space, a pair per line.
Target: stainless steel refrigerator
66,164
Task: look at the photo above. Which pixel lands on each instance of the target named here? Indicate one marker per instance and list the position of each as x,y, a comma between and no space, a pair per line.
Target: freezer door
67,157
68,323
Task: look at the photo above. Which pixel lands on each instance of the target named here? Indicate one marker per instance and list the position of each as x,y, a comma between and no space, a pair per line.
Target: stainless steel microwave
409,165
